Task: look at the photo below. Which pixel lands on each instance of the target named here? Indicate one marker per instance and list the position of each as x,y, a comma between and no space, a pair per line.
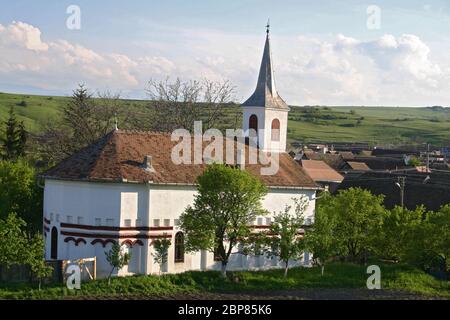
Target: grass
342,276
375,125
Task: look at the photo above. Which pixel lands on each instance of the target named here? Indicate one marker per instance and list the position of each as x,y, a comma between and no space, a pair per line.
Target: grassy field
376,125
337,276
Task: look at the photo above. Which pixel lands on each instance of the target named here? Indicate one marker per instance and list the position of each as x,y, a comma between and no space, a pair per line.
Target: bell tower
265,111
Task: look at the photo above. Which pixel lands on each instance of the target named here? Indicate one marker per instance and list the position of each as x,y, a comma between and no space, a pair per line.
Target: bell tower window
275,132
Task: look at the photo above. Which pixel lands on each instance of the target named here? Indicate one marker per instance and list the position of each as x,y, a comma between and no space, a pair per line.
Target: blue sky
323,51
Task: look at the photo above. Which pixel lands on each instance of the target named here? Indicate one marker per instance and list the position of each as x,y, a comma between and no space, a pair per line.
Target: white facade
265,118
88,216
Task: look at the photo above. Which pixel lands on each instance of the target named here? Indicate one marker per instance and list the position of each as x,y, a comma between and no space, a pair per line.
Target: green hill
378,125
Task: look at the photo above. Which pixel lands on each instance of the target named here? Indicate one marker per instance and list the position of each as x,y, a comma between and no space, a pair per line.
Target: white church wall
148,203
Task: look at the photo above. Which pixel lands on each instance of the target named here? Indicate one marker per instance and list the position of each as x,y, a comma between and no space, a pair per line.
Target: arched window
275,130
253,122
179,247
54,244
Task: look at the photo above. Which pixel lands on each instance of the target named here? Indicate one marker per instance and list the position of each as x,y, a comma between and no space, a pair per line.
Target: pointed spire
265,94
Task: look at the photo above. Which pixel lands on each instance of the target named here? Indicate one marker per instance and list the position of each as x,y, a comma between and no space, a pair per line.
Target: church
125,188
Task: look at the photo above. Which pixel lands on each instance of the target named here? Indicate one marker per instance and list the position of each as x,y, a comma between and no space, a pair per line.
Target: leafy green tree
35,258
227,200
18,248
13,241
321,237
415,162
15,138
398,232
429,247
284,240
117,258
20,193
359,215
161,247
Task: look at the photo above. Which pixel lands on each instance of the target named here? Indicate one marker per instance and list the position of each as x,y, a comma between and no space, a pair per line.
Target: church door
54,244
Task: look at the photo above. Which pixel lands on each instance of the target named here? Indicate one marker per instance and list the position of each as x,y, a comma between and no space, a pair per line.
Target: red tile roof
358,166
119,156
320,171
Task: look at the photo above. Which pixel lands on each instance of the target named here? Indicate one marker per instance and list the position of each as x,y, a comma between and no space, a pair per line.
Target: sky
329,52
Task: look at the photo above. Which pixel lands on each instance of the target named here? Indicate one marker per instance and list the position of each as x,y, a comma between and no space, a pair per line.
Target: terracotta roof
320,171
358,165
347,155
120,154
333,160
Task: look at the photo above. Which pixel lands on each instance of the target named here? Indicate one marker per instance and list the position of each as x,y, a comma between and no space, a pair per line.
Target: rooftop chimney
147,165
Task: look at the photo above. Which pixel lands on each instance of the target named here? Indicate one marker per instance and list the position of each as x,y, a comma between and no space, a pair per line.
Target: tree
284,240
20,193
117,258
35,258
161,247
85,120
13,241
429,247
15,138
321,238
398,231
178,104
227,200
18,248
359,216
414,161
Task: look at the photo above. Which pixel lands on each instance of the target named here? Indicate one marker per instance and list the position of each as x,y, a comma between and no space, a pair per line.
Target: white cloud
390,70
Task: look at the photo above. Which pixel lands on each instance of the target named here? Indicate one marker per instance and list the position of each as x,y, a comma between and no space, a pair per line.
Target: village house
125,188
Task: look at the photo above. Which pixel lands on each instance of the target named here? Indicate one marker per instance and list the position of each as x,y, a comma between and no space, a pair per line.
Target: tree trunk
322,269
109,277
223,270
286,268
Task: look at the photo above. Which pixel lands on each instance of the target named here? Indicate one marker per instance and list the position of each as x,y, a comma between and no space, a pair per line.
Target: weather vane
268,26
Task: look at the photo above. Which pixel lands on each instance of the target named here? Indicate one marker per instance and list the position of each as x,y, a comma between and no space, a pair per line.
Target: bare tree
179,103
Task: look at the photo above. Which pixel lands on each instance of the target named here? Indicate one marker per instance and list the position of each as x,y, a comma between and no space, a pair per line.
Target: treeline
355,226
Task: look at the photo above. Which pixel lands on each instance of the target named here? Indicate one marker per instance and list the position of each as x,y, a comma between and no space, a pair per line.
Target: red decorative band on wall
103,242
132,243
114,236
106,228
77,241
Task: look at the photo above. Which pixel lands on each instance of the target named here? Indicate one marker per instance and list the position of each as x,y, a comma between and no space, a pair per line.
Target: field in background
375,125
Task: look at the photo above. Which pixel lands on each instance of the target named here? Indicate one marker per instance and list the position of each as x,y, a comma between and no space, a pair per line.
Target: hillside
377,125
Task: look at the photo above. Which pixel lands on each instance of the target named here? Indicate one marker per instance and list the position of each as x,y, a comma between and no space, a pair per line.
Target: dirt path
301,294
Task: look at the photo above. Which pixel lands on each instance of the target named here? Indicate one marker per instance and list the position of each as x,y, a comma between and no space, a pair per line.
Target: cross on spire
268,26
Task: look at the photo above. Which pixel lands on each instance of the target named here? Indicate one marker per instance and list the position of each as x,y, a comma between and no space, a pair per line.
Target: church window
179,247
166,222
253,122
275,130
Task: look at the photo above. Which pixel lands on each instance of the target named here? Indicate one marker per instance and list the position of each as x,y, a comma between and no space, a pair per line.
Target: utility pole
428,157
401,185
